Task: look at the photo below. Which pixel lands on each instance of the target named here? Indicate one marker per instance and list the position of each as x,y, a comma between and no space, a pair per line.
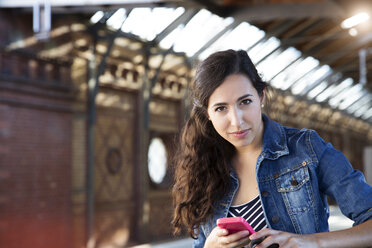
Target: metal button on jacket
275,219
294,182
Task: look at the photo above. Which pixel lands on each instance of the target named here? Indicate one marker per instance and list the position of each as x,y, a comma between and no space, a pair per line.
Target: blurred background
93,94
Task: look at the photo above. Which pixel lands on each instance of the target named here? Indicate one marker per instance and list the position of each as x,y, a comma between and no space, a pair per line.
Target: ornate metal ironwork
113,160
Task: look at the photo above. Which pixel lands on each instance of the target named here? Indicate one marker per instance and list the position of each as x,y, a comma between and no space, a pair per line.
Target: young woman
234,161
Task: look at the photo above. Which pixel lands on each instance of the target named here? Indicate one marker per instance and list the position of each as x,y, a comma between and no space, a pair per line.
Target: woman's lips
240,134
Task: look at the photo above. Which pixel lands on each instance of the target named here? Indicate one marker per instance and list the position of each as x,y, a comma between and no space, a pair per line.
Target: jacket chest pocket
295,188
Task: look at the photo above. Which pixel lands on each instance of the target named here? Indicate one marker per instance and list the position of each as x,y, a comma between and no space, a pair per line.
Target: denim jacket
295,171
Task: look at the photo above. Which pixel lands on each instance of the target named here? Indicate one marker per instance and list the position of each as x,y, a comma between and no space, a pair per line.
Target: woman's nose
235,117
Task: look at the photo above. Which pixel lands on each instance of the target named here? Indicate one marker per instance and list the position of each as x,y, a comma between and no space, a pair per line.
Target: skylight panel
201,28
325,94
362,109
161,18
349,101
277,62
334,89
282,78
361,102
117,18
336,100
242,37
316,91
307,81
267,65
251,35
262,49
328,77
304,67
171,38
136,20
353,95
340,87
147,22
97,16
222,43
367,115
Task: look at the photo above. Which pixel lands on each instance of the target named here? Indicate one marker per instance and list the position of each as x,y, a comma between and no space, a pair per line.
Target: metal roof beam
302,28
182,19
269,12
286,67
272,33
92,6
72,3
321,41
363,100
333,77
214,39
351,46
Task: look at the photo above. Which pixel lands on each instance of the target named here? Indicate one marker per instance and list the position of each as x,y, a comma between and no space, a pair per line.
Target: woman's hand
284,239
220,238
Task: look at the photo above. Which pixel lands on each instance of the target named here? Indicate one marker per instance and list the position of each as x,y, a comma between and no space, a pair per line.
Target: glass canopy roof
201,33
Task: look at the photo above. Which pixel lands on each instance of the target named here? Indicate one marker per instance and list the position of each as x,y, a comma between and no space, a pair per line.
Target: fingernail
252,237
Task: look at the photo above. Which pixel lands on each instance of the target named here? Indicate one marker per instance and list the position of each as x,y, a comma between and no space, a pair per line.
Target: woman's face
234,109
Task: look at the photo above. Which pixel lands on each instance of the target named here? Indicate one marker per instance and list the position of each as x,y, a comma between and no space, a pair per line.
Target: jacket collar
274,139
274,142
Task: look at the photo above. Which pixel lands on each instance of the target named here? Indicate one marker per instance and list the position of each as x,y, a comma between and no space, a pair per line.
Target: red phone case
234,224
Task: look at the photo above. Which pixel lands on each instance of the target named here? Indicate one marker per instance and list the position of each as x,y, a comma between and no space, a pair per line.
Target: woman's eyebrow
244,96
224,103
219,104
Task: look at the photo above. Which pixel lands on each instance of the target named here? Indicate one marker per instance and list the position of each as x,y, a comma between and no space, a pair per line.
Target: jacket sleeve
340,181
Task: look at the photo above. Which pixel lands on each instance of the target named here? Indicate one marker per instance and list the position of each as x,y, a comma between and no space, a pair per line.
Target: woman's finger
263,233
242,243
233,240
220,232
267,242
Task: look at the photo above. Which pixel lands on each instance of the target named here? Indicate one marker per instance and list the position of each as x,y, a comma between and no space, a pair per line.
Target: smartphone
234,224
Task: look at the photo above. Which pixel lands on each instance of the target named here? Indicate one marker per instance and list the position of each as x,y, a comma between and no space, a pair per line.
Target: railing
22,66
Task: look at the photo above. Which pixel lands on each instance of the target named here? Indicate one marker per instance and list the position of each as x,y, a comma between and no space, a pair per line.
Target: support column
92,91
93,87
142,209
143,205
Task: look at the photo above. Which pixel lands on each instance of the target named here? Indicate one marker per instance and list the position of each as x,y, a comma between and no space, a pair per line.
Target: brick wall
35,163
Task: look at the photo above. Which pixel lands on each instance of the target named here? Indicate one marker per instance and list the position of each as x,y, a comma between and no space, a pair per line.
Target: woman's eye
246,101
219,109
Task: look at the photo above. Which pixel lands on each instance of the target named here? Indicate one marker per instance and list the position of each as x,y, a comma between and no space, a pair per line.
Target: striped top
252,212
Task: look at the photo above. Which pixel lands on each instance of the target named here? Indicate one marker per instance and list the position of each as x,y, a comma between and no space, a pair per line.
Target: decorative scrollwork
113,160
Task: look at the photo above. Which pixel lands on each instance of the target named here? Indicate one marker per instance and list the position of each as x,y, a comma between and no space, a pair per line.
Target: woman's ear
263,97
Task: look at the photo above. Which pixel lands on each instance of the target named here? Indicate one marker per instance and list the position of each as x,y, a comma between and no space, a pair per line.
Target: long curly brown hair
202,162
